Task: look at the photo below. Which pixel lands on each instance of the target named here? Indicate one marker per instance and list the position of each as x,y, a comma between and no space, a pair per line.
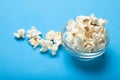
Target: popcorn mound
86,33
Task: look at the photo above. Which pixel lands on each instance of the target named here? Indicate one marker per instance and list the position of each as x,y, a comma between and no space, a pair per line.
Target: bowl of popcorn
85,37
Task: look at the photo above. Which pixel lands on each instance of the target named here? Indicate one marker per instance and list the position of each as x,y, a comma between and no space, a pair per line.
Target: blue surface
18,60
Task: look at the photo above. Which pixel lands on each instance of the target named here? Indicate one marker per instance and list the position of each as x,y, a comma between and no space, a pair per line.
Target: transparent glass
82,55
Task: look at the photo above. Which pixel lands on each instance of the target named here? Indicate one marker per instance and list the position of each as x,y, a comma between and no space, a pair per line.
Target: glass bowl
82,55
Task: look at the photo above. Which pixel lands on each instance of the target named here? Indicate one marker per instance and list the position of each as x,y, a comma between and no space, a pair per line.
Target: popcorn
70,37
34,42
55,37
83,20
101,46
45,44
78,45
54,49
71,22
50,35
52,41
102,22
33,33
20,33
86,33
34,36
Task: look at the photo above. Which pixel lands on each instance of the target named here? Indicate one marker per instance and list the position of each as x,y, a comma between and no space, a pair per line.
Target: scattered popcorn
86,33
20,33
33,33
52,41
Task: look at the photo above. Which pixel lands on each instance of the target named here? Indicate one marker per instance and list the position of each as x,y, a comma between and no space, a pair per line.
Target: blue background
19,61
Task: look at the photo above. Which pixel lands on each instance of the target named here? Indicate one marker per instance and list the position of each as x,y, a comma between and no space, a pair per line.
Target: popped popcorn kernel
33,33
50,35
20,33
55,37
54,49
45,44
34,42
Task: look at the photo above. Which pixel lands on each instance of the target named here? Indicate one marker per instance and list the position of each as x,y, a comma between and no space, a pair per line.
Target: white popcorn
94,20
101,46
96,36
52,41
78,44
86,33
20,33
48,45
69,37
102,22
34,42
57,39
96,29
33,33
45,44
34,36
80,28
85,20
89,46
54,49
50,35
